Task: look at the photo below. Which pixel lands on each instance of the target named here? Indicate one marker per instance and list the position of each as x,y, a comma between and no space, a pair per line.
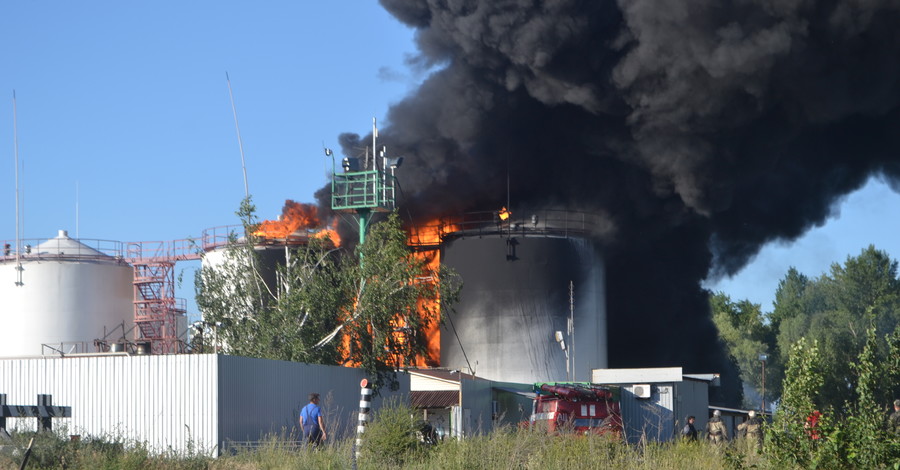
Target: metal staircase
158,315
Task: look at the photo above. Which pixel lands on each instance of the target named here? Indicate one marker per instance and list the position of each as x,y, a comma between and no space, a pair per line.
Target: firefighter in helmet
716,431
752,430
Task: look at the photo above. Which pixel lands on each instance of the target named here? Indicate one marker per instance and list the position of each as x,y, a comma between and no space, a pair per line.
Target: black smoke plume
702,128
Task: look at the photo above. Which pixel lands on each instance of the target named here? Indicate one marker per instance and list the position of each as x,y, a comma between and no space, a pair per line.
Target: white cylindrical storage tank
70,294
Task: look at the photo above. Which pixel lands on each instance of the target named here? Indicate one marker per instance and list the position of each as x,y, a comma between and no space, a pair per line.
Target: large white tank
69,293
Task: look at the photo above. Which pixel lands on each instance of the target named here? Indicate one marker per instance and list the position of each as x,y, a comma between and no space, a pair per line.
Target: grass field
509,449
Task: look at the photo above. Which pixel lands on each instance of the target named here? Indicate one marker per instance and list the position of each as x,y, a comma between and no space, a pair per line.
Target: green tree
743,328
866,436
788,441
836,310
395,296
324,305
271,313
791,297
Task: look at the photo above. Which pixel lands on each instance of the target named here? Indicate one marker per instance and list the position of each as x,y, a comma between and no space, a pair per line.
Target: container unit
515,299
66,295
655,402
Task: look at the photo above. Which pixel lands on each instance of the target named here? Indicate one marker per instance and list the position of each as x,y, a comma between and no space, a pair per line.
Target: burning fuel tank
532,307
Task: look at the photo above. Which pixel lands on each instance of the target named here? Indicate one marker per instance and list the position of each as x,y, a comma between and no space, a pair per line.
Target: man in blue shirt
311,421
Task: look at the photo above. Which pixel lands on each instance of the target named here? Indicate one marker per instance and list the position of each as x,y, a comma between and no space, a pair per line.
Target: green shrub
392,436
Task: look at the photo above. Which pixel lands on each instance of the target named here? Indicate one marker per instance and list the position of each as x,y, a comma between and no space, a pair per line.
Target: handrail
543,223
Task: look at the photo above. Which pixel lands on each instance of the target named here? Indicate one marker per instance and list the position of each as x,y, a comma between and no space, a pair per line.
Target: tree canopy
834,310
323,304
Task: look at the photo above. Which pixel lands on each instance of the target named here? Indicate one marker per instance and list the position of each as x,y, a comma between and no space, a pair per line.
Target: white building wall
419,382
164,401
176,401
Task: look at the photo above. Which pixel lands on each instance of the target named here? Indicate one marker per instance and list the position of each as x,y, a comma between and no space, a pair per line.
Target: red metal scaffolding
157,313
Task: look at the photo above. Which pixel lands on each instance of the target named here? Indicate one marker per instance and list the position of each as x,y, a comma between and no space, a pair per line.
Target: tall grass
392,441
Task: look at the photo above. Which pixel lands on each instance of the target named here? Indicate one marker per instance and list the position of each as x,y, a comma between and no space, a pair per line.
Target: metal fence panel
166,402
261,397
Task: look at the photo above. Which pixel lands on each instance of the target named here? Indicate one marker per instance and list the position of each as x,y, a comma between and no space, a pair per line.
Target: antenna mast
571,325
16,145
240,142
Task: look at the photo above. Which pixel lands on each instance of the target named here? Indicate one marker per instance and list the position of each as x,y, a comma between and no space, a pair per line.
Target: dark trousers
312,434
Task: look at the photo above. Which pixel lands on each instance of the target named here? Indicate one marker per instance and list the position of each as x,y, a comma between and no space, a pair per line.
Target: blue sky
125,105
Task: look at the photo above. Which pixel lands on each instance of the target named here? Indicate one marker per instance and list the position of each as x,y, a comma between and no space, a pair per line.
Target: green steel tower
365,190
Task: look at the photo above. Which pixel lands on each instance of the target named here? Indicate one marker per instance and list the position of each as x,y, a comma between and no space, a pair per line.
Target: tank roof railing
135,252
162,251
218,237
65,348
548,223
85,249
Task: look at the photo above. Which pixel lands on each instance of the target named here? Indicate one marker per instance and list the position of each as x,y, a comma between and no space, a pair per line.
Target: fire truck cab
581,408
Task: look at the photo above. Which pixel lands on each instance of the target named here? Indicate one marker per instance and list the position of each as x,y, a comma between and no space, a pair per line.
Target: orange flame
294,216
430,235
504,214
432,309
330,233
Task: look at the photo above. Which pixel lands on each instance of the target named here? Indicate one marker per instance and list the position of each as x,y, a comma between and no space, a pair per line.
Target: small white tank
69,293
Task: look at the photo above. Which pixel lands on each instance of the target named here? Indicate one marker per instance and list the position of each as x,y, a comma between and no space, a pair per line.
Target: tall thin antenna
240,142
76,211
374,157
374,145
16,144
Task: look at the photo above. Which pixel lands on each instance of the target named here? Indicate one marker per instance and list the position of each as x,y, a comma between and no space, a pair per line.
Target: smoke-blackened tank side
515,297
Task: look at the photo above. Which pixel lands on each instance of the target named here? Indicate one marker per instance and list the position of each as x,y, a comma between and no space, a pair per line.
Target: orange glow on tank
427,238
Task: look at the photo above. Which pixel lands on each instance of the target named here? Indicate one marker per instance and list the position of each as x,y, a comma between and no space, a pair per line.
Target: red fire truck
581,408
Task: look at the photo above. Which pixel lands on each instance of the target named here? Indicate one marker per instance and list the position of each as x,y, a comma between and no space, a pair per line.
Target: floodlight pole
763,358
365,215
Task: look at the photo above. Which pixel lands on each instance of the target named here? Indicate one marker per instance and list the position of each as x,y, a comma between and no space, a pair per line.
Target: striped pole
365,403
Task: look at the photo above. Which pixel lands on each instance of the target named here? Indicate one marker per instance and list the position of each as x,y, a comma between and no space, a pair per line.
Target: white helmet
717,413
752,414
